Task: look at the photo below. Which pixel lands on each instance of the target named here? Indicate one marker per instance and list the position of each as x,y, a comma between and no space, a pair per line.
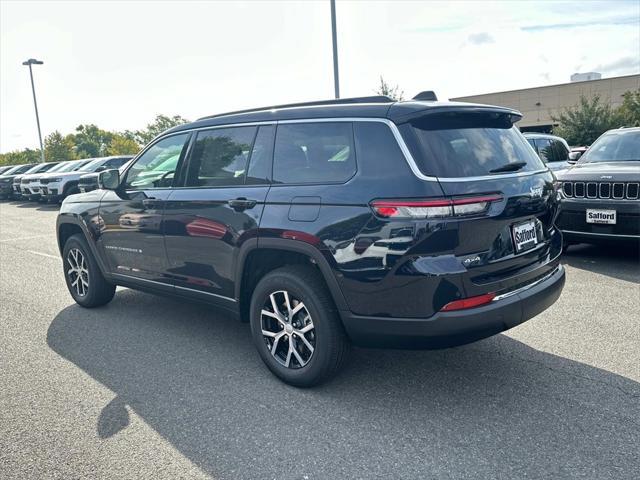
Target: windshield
92,165
19,169
614,146
40,168
470,144
69,166
61,167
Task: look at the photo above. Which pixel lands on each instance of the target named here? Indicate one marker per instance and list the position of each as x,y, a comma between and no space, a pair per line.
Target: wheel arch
289,252
69,224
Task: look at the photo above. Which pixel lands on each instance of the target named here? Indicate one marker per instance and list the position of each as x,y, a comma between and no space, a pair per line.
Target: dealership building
539,104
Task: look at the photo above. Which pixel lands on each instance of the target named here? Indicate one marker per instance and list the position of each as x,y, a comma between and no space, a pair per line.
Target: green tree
155,128
387,90
582,124
19,157
629,112
91,141
58,148
122,145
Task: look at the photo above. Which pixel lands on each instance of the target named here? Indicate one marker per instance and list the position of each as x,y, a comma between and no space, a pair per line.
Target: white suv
55,187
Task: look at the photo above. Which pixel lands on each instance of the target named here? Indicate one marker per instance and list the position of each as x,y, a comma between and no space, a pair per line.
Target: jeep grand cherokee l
366,221
600,194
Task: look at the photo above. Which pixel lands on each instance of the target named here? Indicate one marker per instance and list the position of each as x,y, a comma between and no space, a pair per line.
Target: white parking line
18,239
44,254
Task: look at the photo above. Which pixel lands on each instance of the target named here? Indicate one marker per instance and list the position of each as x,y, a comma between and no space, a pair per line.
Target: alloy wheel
78,272
287,329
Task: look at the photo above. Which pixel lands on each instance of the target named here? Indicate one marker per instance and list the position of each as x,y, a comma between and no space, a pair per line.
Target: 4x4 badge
536,192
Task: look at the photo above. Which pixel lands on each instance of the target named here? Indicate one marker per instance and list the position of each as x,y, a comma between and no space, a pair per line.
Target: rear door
483,154
217,208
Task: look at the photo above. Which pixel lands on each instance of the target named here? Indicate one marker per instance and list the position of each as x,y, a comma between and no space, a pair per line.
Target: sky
119,63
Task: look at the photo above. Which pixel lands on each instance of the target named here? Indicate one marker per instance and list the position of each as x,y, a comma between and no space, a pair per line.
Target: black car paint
190,241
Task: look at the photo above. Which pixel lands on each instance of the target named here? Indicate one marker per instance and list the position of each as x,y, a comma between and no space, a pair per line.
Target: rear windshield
616,146
469,144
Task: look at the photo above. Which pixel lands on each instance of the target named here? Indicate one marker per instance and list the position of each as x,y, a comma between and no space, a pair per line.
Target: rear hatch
478,154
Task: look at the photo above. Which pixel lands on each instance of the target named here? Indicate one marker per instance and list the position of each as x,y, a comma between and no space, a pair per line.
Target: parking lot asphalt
152,387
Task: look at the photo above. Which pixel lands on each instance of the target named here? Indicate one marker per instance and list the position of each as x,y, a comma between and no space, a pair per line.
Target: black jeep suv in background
396,224
601,197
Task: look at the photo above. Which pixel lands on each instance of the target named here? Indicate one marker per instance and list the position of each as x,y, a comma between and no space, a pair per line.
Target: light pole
33,61
336,80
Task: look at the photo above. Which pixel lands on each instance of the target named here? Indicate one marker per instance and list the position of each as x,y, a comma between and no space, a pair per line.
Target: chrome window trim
392,126
587,189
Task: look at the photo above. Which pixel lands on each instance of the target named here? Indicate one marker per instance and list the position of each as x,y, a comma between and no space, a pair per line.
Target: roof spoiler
426,96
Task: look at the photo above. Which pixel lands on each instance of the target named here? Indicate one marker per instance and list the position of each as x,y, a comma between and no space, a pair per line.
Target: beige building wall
538,104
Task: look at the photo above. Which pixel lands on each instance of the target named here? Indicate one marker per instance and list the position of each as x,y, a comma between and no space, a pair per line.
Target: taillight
470,302
436,208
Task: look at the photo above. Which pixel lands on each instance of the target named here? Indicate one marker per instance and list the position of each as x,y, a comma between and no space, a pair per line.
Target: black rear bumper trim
446,329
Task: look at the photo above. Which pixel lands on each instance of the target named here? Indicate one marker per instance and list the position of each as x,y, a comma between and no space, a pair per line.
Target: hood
90,176
60,174
627,171
17,178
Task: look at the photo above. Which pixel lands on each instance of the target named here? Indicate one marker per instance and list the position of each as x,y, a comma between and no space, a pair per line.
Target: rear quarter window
320,152
467,144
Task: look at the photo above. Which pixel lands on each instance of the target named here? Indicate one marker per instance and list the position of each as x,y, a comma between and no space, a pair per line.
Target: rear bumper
446,329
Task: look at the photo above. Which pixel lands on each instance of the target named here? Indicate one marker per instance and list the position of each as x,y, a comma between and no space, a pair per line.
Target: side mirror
101,169
109,179
574,156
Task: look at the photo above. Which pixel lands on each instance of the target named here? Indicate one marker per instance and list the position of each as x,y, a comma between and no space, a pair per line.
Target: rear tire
310,342
85,281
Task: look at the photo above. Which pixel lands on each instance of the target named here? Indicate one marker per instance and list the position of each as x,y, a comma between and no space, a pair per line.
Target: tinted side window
314,153
156,167
561,153
545,149
220,157
259,170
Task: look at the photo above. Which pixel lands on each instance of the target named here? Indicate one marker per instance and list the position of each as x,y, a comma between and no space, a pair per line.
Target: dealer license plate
606,217
525,236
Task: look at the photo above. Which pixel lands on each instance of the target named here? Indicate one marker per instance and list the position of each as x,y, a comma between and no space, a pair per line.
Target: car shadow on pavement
35,205
494,409
616,261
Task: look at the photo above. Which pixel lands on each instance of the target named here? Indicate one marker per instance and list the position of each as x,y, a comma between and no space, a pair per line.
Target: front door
130,221
218,208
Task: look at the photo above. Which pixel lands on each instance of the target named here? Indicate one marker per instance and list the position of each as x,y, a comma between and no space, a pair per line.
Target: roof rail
337,101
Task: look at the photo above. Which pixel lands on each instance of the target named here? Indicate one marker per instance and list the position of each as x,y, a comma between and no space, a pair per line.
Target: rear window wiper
509,167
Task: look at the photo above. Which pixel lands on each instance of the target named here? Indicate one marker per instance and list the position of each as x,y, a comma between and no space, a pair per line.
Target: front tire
296,328
85,281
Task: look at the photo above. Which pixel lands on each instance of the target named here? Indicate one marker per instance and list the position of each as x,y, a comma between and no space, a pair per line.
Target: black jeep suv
601,193
397,224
